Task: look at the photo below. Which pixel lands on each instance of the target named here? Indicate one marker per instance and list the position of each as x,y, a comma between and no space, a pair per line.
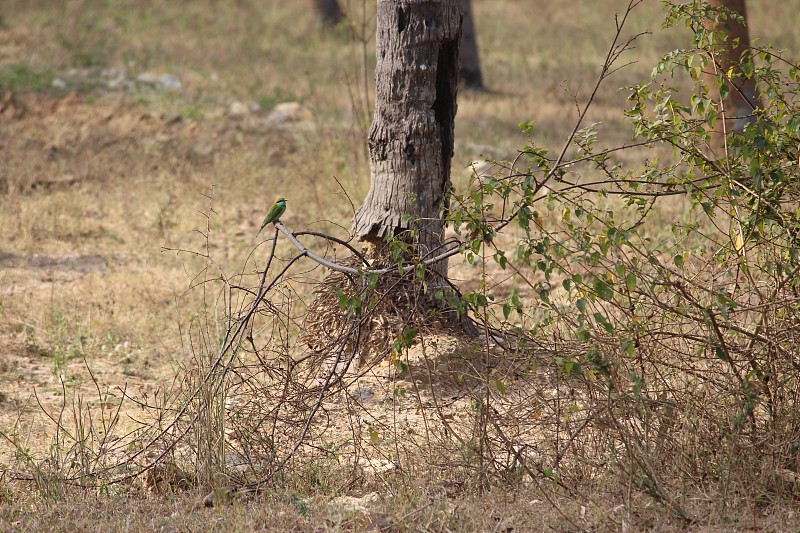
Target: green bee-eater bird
275,212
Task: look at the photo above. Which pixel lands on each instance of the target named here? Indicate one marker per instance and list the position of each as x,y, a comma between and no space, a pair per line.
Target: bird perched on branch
275,212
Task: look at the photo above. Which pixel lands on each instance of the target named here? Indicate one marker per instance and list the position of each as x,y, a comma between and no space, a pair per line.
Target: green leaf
603,289
603,321
343,299
400,366
500,257
515,301
720,353
583,334
628,346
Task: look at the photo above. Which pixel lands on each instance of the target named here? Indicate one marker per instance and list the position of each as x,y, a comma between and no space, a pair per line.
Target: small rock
365,394
202,150
58,83
351,504
148,78
167,82
238,109
289,112
114,77
376,466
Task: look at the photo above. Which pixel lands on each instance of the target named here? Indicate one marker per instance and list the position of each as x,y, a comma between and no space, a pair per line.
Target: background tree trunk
411,137
743,96
329,12
470,73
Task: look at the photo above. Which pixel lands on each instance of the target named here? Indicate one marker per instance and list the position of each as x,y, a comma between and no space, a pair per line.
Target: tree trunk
742,97
329,12
470,74
411,137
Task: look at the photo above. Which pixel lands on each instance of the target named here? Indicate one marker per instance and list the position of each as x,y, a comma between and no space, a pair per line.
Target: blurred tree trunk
411,137
470,73
329,12
742,97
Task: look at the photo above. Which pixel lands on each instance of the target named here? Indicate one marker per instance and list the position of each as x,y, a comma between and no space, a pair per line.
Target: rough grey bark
411,137
329,12
470,74
743,96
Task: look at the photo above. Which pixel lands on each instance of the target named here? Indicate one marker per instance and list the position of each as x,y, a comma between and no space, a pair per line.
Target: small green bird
275,212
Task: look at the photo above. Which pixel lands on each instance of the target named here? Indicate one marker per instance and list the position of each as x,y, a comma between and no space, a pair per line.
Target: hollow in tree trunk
742,97
411,137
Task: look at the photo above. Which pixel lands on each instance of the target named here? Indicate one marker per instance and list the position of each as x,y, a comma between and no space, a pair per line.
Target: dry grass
96,181
289,512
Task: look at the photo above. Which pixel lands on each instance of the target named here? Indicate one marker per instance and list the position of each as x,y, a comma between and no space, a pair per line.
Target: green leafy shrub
668,292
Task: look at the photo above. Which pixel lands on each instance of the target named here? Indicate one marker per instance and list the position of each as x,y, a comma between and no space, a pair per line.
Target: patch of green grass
141,100
88,59
191,112
87,37
67,341
269,101
20,78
